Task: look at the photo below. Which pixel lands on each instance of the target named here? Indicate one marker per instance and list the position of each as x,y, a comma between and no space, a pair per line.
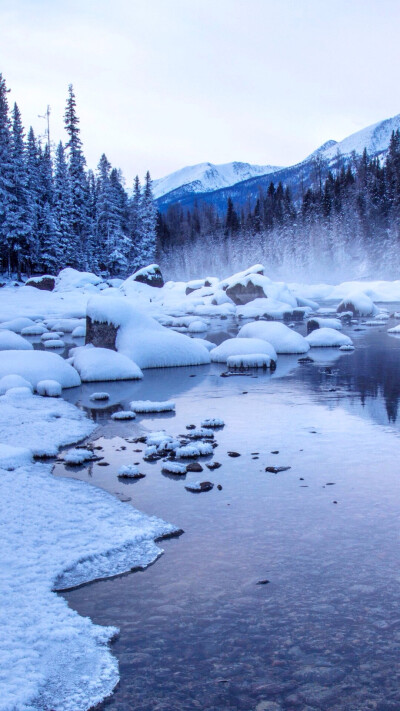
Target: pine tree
20,218
49,239
33,186
147,225
6,174
63,208
79,186
135,209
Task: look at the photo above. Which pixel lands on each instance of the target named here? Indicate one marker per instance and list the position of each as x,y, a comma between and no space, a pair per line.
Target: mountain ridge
375,138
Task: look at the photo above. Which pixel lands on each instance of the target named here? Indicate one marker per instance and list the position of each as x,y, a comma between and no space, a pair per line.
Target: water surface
197,628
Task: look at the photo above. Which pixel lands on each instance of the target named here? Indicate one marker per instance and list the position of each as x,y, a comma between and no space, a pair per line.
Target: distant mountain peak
207,177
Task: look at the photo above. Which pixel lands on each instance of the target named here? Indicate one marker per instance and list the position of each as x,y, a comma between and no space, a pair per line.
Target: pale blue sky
165,83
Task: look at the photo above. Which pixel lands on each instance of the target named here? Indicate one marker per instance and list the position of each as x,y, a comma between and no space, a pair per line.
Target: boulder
101,334
45,282
150,275
243,293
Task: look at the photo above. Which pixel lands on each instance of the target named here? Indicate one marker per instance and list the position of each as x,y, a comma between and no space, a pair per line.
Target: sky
161,84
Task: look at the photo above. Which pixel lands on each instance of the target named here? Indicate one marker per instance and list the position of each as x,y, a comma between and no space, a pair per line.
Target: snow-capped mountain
207,177
374,138
241,181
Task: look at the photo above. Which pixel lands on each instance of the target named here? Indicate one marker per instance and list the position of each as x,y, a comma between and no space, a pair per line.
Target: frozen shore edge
57,534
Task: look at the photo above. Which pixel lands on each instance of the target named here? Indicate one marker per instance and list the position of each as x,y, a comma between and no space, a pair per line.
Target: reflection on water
197,631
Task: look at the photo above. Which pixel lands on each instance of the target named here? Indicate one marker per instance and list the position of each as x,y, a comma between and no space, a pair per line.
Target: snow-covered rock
142,339
255,360
69,279
17,324
95,364
242,346
38,365
317,322
359,304
328,337
77,456
282,338
10,341
13,381
49,388
148,406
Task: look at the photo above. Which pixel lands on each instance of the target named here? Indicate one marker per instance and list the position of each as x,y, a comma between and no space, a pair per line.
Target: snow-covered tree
78,180
6,174
147,238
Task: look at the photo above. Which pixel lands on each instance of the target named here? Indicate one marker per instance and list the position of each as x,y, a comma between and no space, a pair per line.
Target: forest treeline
54,212
346,224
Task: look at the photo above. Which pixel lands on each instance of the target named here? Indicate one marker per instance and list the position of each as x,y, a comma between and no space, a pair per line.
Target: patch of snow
13,457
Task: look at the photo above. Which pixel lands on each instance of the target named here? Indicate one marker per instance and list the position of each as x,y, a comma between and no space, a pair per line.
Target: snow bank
142,339
325,337
10,341
38,365
57,533
240,347
13,457
282,338
95,364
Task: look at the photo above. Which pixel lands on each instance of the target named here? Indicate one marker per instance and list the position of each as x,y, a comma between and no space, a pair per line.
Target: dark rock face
151,276
312,325
46,283
102,335
244,293
348,306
